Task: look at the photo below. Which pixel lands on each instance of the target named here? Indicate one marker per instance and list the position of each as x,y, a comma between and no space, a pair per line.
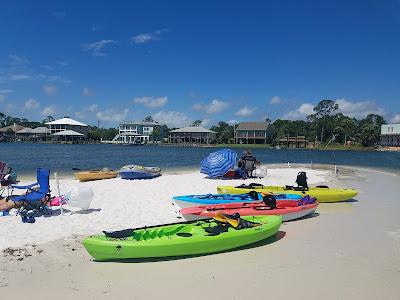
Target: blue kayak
137,175
211,199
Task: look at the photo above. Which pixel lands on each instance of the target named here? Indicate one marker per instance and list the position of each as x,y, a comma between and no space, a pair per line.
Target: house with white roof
192,134
33,134
65,124
135,132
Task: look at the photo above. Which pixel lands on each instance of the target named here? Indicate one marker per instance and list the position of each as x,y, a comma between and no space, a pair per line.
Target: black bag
270,201
301,180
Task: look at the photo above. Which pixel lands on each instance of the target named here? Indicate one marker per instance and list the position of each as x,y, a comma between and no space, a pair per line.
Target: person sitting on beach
7,204
248,162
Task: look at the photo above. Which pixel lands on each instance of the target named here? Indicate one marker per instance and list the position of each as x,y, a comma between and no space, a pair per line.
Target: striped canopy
218,163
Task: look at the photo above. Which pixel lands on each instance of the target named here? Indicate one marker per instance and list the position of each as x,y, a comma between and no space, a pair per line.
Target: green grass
331,147
241,145
347,148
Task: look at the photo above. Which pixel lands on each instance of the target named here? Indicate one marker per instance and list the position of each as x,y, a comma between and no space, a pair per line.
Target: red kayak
288,209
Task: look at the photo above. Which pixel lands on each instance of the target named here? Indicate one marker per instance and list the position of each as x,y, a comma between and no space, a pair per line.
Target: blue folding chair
37,194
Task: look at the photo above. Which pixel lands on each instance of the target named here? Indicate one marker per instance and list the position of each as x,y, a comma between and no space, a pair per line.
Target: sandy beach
347,250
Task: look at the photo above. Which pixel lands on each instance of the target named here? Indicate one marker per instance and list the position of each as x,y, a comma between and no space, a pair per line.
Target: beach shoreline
346,250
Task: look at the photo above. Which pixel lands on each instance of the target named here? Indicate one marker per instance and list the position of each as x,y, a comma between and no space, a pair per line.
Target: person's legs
7,205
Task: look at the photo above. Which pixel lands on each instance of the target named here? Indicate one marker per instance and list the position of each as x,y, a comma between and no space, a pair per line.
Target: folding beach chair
36,196
249,164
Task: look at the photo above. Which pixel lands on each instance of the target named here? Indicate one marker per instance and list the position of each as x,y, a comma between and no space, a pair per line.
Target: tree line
327,125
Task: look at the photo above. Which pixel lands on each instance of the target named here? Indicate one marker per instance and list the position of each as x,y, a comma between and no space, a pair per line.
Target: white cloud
232,122
147,37
205,122
172,118
10,108
31,104
143,38
18,60
151,102
93,108
359,109
50,89
395,119
197,106
62,63
86,92
97,48
245,111
2,97
113,115
215,106
17,77
48,111
5,91
275,100
80,115
54,78
301,113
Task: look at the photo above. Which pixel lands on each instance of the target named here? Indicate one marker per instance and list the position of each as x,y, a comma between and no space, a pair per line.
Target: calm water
25,158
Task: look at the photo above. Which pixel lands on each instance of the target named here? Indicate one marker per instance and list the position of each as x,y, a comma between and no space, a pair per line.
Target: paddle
224,219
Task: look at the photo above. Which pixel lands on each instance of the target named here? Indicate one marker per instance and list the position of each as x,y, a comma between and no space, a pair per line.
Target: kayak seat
120,234
216,230
322,186
184,234
252,185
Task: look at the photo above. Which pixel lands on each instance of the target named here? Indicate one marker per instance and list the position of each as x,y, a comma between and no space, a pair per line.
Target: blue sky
211,60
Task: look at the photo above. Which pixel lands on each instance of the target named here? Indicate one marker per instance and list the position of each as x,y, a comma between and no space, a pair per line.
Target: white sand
350,250
119,204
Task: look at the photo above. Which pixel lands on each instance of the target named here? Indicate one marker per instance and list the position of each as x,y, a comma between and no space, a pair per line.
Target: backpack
301,180
270,201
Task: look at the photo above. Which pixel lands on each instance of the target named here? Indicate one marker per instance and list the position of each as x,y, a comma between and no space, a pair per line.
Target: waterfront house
192,134
65,124
390,135
252,132
33,134
136,132
298,141
8,133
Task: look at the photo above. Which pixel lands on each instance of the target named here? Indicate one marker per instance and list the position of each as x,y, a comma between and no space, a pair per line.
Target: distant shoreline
252,146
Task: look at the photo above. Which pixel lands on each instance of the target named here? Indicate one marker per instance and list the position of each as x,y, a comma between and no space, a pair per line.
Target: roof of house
68,133
253,126
193,129
38,130
144,123
66,121
13,128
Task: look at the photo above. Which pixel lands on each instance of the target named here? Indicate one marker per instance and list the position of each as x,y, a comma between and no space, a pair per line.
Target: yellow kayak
95,175
323,194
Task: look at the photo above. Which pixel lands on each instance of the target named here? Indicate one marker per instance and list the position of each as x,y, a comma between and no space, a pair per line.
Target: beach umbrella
218,163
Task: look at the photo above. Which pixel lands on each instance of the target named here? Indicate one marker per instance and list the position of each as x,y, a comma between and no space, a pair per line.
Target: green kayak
179,239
